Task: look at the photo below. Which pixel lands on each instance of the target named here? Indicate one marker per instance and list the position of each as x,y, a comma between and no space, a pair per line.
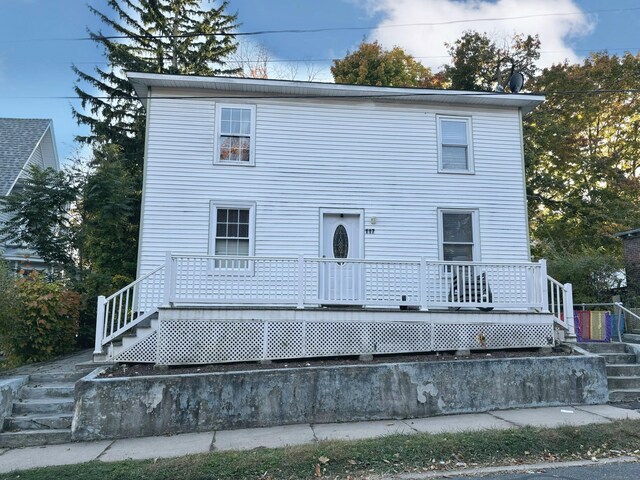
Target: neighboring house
23,142
330,204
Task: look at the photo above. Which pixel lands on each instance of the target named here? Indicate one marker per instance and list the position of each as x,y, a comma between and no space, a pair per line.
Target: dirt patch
145,369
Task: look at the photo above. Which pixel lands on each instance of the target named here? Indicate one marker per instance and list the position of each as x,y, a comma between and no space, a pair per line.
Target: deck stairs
43,410
140,337
623,370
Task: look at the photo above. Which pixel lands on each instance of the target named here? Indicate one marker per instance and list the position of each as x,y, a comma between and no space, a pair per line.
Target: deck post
300,281
423,284
169,279
544,285
99,325
568,311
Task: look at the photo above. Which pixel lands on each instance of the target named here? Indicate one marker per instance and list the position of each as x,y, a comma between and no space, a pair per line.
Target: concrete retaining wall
8,390
156,405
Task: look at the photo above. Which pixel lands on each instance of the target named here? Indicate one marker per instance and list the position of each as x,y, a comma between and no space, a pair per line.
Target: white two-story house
292,219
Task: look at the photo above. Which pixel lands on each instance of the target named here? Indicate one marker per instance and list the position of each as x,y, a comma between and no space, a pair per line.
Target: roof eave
142,82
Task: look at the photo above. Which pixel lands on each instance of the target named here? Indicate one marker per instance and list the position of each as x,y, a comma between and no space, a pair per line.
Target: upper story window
455,152
458,235
235,134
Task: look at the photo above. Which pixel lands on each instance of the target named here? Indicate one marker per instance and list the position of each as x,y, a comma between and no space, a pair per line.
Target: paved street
613,471
624,468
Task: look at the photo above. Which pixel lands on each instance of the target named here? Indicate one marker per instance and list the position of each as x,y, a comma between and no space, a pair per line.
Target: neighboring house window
232,233
455,150
458,234
235,137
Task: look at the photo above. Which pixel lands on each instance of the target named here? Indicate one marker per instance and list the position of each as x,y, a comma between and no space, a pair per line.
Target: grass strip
369,458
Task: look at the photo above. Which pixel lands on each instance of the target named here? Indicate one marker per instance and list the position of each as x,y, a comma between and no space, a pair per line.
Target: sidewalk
273,437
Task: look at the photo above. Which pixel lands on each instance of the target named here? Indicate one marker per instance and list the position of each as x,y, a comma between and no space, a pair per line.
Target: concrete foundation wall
157,405
8,390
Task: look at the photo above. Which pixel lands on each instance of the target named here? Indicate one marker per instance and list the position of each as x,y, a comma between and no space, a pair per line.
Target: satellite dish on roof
516,82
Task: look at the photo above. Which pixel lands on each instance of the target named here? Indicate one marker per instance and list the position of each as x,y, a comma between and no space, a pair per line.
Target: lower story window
233,234
458,235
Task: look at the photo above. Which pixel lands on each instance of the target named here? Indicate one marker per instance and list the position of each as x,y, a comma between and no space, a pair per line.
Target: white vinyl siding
455,146
334,154
235,127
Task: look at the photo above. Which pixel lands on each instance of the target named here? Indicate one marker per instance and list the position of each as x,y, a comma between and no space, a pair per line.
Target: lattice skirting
203,341
142,352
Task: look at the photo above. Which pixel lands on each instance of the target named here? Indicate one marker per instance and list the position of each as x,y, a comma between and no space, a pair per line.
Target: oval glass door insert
340,242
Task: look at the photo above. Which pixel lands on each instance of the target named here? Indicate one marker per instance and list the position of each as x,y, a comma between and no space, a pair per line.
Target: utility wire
338,29
312,60
401,25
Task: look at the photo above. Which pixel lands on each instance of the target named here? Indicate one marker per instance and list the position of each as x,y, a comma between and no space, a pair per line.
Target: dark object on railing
404,306
470,289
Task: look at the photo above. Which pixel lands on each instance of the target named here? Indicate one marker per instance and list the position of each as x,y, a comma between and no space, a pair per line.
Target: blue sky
36,53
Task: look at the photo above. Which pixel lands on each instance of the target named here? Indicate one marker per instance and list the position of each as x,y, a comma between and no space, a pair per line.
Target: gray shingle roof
18,138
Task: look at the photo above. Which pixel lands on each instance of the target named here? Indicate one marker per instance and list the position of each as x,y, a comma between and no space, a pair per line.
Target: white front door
341,282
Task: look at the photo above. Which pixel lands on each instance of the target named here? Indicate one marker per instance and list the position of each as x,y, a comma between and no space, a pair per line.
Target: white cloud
426,43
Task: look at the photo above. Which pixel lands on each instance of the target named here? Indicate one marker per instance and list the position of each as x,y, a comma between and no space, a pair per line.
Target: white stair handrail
626,310
128,306
560,298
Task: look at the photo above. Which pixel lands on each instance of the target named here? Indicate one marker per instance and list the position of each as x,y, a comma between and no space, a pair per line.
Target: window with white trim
232,234
458,234
454,145
235,138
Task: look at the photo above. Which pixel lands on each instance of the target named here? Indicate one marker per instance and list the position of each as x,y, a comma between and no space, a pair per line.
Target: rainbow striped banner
592,325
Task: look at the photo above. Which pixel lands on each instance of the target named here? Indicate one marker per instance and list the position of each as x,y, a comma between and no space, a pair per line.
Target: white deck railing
301,282
310,282
560,303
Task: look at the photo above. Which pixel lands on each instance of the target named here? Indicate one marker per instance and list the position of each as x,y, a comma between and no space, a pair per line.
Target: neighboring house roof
19,138
142,82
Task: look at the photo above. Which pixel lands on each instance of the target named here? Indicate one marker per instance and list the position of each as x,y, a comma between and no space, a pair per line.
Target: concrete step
46,390
618,358
98,360
598,348
140,334
623,370
43,406
101,359
631,337
624,395
623,383
38,422
56,377
33,438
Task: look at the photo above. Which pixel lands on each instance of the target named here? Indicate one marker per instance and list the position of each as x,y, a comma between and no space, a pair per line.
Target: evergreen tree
151,36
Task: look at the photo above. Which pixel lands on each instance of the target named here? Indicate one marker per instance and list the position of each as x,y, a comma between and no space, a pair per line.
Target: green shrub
8,300
42,324
91,285
594,275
